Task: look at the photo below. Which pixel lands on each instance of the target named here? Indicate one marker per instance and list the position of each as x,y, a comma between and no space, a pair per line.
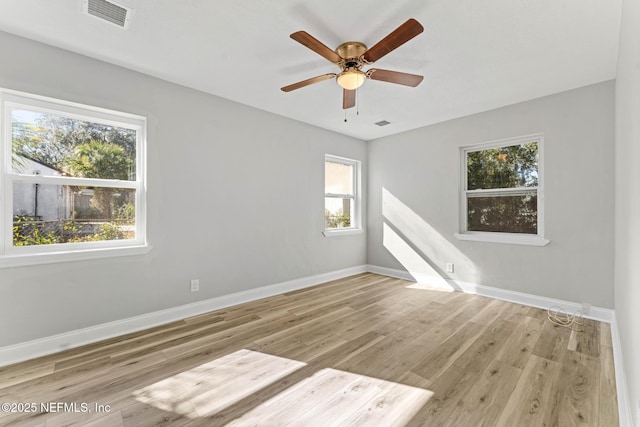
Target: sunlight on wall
424,251
332,397
213,386
426,277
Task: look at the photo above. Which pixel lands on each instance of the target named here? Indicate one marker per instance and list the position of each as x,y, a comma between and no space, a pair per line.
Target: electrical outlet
195,285
449,267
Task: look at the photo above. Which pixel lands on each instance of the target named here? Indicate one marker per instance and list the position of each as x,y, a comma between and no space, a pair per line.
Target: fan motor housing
349,50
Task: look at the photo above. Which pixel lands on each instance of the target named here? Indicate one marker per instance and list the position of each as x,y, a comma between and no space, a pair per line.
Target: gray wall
236,199
627,274
413,186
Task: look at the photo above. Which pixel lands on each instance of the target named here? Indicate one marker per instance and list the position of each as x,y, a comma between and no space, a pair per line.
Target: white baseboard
596,313
48,345
624,403
391,272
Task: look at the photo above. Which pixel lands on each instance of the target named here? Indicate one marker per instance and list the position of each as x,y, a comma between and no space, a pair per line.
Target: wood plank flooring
367,350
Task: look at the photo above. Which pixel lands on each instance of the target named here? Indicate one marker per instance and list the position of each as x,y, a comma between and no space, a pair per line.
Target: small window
341,198
502,191
72,179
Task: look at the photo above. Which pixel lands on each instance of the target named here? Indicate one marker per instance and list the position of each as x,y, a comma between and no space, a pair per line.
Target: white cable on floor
560,317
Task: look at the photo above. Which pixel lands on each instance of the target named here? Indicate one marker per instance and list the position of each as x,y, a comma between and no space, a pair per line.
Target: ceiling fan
352,56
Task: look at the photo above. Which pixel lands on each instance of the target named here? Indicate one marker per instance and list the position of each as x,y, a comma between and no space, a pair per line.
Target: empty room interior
320,213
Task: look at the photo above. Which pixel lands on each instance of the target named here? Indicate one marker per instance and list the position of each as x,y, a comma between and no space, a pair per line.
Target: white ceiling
475,55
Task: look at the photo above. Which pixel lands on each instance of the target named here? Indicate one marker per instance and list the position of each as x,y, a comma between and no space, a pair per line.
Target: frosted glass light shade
351,79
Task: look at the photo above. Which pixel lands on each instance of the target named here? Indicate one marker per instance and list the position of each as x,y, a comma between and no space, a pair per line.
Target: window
341,195
72,181
502,192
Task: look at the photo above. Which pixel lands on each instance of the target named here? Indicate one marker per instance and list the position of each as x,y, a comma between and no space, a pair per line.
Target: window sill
507,238
342,232
21,260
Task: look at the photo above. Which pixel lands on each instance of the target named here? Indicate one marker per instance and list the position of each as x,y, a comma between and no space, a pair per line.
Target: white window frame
11,256
356,223
500,237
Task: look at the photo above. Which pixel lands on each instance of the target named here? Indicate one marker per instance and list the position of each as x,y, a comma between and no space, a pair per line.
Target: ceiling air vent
108,11
382,123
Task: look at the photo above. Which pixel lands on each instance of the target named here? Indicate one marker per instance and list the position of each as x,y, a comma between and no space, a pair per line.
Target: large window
341,197
72,180
502,191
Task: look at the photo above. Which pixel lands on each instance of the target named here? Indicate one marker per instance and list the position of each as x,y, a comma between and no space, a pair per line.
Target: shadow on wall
420,248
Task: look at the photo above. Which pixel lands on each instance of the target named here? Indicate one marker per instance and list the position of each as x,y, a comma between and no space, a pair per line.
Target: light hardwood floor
367,350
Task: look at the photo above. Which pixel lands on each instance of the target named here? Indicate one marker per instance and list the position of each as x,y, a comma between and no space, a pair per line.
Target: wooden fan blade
406,79
316,45
348,99
308,82
395,39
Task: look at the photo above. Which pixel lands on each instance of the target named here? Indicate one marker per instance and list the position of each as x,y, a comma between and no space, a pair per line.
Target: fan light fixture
351,56
351,79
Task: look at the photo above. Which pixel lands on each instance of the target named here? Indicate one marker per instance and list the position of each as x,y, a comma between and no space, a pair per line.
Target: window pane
338,178
503,167
45,214
57,145
337,212
508,214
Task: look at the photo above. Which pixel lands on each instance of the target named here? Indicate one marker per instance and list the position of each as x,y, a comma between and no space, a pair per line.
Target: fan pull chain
357,107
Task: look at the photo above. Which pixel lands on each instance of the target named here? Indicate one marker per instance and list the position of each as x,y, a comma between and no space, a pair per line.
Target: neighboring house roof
28,168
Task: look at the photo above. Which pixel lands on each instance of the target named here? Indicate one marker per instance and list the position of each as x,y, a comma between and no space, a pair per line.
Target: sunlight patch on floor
427,285
332,397
216,385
